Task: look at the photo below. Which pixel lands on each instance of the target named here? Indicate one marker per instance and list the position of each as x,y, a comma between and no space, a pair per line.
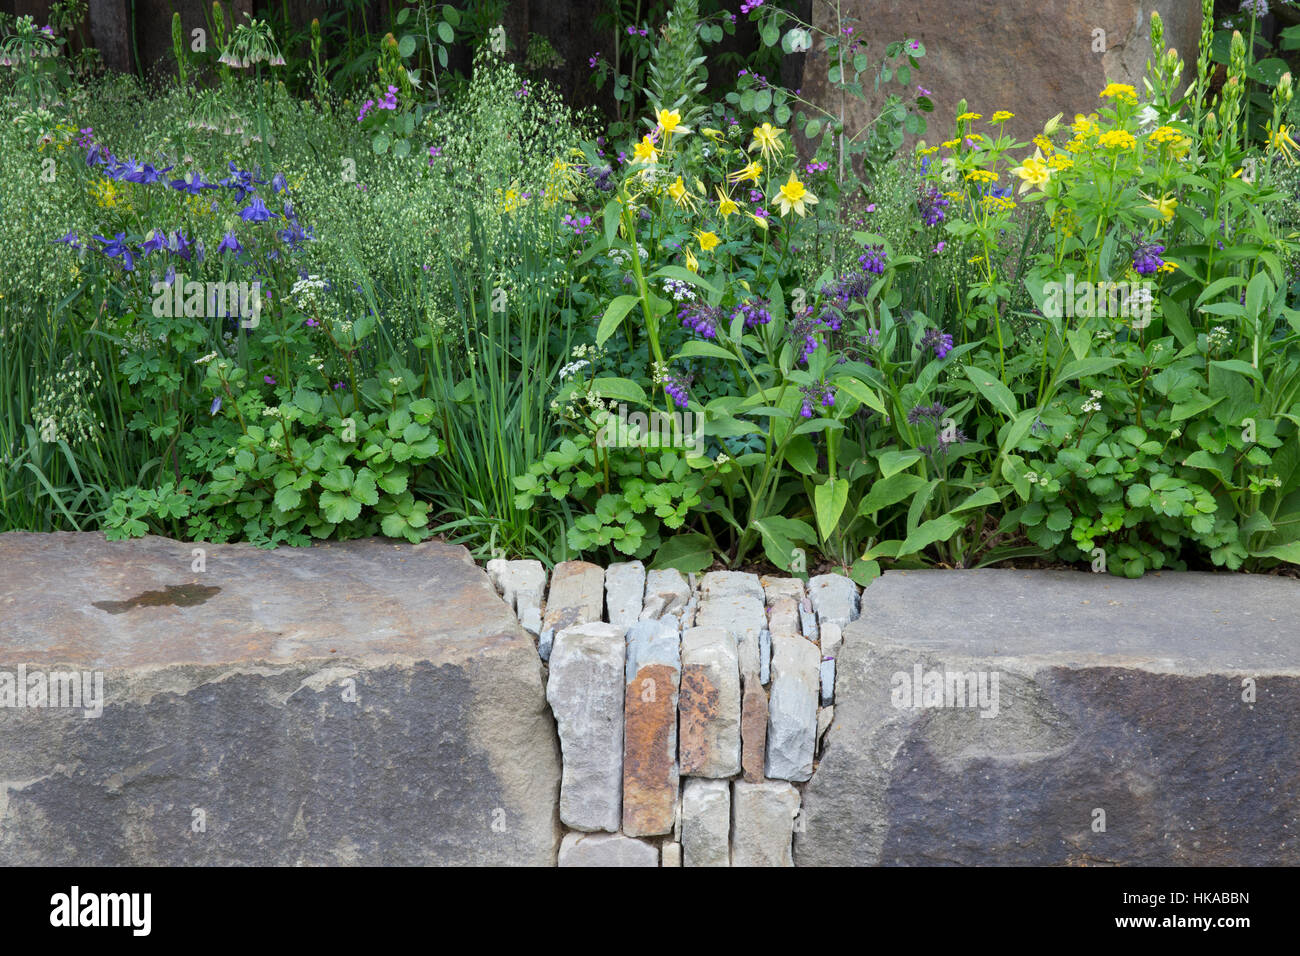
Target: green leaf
697,348
998,395
614,316
893,461
445,33
887,491
688,553
619,389
829,500
936,529
779,536
862,392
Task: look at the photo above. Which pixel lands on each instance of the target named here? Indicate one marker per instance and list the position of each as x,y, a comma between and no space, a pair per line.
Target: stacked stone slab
718,716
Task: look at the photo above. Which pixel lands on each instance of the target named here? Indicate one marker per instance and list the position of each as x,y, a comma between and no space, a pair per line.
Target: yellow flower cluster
1120,93
1001,116
1116,139
982,176
107,193
969,116
996,204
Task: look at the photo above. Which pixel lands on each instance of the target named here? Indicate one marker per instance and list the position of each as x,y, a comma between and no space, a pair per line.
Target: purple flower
179,245
932,203
154,242
591,62
938,340
873,260
677,386
434,153
268,380
145,174
701,319
229,244
818,393
755,312
365,108
191,183
68,240
216,406
255,211
116,248
1146,257
747,5
278,183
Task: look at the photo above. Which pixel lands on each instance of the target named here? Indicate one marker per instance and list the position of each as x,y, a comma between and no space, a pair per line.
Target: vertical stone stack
686,716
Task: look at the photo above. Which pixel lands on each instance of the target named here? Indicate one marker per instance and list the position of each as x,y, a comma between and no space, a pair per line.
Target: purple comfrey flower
818,393
116,248
229,244
701,319
807,330
946,432
255,211
938,340
755,312
932,203
1146,257
677,387
873,260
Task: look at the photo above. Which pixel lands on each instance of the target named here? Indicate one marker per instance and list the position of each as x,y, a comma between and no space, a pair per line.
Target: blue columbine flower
216,406
191,183
278,183
116,248
156,240
241,182
229,243
68,240
180,245
146,174
255,211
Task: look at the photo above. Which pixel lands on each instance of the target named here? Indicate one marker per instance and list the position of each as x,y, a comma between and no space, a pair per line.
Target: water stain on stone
177,595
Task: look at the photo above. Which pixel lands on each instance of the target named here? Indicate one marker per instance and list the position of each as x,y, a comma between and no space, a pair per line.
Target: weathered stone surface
521,584
828,681
531,621
764,657
666,592
1119,695
825,716
624,592
545,642
783,617
742,616
577,595
763,823
706,823
606,849
359,702
725,584
834,598
776,588
1035,61
709,707
808,621
671,854
650,777
753,731
832,639
585,690
792,709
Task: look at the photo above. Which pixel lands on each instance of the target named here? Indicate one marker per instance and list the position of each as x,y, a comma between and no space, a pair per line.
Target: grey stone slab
763,823
363,702
1170,704
706,823
743,617
606,850
624,592
792,708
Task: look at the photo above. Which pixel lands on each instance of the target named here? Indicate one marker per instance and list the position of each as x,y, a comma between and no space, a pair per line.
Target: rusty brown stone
753,731
650,777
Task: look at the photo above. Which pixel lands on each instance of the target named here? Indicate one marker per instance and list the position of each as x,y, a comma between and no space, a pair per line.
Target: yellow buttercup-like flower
1120,93
794,196
726,205
982,176
1084,126
1033,171
1116,139
1059,162
708,241
1001,116
767,138
951,144
969,116
645,151
750,172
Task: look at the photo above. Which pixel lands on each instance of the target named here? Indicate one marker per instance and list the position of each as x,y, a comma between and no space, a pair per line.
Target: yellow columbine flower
1120,92
1280,139
670,121
708,241
1001,116
1164,205
645,151
691,262
794,195
681,195
1033,171
768,139
726,205
711,133
750,172
758,220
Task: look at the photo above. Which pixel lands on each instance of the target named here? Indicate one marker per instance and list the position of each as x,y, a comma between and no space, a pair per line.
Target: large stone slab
585,690
706,823
624,592
650,776
362,702
763,823
606,850
1035,60
1166,709
743,617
